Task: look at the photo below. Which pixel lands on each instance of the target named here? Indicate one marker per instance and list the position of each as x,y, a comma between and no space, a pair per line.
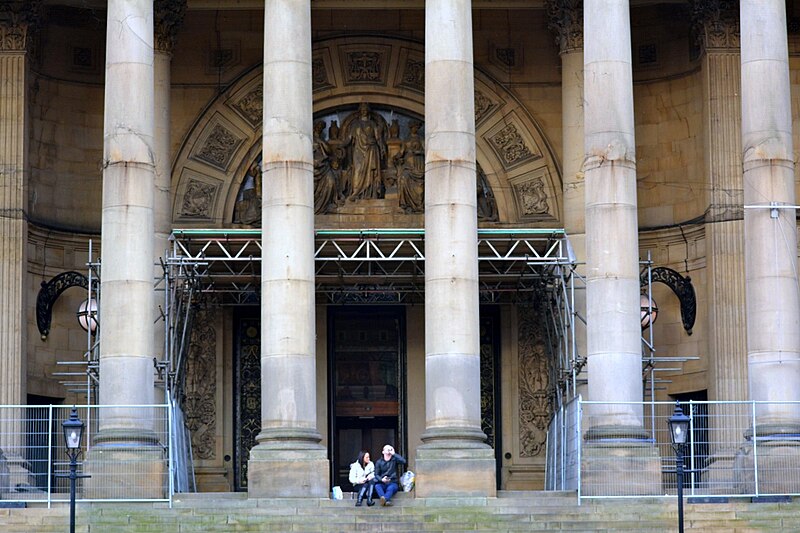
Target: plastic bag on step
407,481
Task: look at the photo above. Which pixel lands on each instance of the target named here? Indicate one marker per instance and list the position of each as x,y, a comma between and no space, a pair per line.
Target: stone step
526,511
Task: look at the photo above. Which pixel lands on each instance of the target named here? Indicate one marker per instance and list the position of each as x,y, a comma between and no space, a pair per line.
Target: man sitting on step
386,474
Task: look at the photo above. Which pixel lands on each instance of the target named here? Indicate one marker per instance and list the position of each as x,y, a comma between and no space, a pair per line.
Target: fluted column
454,446
612,267
288,459
126,286
566,21
15,34
717,25
168,16
773,297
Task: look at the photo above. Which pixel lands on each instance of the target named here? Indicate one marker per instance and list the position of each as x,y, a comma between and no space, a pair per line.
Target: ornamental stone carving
534,397
251,106
510,146
167,19
483,106
566,22
198,200
18,20
375,158
319,74
364,67
716,23
218,147
200,388
413,76
532,197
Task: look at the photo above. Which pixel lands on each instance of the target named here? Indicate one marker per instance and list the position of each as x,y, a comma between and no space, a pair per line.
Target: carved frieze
18,20
375,157
218,147
511,147
716,23
167,19
200,390
532,197
198,199
251,106
533,385
566,22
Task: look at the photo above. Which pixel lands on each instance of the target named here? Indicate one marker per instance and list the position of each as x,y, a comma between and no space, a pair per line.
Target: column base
718,477
455,464
126,468
778,463
283,470
619,461
5,477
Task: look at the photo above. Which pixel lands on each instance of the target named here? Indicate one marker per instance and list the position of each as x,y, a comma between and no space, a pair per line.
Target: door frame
398,312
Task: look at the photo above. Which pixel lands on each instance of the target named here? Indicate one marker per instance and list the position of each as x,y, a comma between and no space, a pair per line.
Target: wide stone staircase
510,511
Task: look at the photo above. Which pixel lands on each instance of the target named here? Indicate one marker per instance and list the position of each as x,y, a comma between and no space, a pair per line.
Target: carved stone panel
247,395
532,195
250,106
200,390
217,145
484,106
511,147
364,65
321,71
197,197
412,71
533,383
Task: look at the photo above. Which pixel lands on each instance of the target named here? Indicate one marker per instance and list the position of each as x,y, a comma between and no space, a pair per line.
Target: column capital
18,22
716,23
168,17
566,22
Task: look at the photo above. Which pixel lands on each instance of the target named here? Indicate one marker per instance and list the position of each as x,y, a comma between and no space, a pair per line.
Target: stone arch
512,151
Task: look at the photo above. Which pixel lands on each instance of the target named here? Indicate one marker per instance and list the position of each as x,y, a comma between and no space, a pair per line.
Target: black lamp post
73,433
679,431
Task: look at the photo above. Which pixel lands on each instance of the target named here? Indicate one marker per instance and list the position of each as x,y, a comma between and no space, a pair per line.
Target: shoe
383,501
388,503
358,503
361,494
370,503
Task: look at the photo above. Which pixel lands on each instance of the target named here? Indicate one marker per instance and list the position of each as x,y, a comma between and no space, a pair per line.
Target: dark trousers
386,490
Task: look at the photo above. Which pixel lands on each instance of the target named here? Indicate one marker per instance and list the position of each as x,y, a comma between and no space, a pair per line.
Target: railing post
692,471
755,444
49,455
579,443
171,468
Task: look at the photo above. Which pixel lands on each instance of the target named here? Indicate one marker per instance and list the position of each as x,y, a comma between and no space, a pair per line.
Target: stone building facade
636,126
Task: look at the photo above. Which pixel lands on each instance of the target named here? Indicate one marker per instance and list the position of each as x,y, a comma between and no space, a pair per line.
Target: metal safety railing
126,450
735,449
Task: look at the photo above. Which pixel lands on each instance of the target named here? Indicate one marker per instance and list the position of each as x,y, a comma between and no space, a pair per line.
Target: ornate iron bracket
50,292
683,289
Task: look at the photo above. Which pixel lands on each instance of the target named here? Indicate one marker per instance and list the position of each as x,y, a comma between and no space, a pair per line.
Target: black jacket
388,468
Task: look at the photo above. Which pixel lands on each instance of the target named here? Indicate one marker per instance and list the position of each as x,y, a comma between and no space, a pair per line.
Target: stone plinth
126,471
776,462
619,466
446,472
273,472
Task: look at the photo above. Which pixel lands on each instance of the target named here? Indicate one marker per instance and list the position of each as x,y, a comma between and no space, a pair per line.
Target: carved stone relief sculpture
375,157
534,398
200,389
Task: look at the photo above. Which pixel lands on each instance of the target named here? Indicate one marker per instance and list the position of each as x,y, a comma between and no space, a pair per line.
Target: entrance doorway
366,363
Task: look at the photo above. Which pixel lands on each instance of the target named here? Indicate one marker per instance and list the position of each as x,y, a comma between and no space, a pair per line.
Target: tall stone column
126,280
717,25
453,446
17,20
771,283
288,460
617,458
168,16
566,21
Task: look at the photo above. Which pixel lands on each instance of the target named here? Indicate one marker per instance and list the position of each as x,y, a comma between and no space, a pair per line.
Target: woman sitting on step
362,475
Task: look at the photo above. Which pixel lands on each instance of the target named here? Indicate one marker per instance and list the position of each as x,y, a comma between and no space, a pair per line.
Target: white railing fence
126,450
736,449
